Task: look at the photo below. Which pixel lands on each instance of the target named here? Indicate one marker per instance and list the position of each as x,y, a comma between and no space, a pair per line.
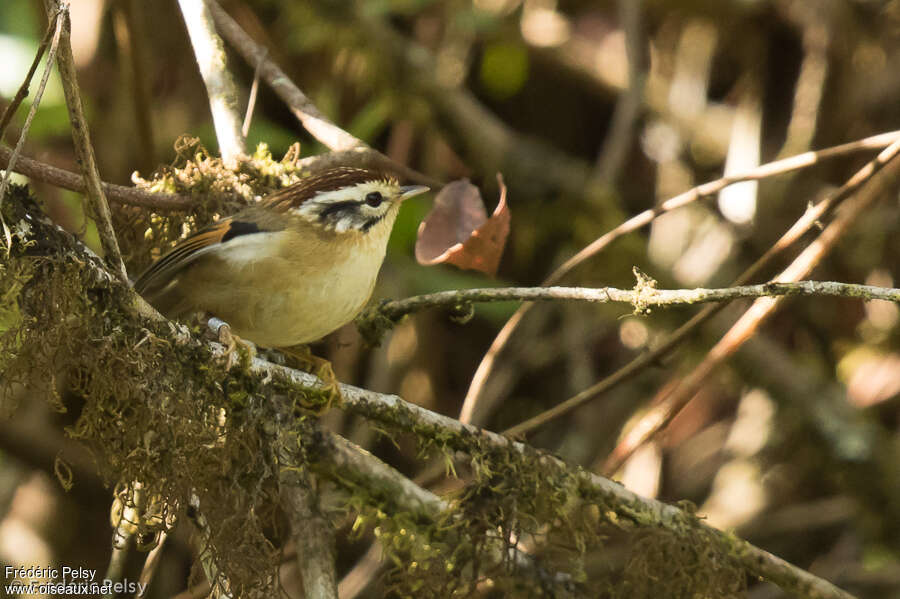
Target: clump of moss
219,191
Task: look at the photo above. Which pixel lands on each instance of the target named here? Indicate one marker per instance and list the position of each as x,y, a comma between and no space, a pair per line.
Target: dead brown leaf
457,230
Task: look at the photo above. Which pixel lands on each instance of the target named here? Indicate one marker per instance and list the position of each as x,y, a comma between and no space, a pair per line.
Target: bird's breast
289,289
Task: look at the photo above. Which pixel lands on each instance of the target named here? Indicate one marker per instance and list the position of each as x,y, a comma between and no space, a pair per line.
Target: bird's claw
232,342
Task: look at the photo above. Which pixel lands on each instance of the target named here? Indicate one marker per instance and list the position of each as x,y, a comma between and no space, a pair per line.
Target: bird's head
348,200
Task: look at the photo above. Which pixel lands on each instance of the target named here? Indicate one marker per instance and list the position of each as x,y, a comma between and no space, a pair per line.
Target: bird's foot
233,344
315,365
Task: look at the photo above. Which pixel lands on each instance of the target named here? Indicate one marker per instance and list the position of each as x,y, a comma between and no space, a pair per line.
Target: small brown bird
291,269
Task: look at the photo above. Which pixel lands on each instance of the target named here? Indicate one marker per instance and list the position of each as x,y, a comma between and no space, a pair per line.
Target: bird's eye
374,199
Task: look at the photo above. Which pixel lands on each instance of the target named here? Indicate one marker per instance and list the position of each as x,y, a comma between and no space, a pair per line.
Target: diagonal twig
82,139
22,92
349,149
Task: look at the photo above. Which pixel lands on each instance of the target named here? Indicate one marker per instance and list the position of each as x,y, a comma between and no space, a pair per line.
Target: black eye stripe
336,207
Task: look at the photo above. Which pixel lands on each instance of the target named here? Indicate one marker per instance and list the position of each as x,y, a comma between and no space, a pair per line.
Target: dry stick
669,402
223,99
83,149
251,102
803,224
316,123
68,180
476,409
56,26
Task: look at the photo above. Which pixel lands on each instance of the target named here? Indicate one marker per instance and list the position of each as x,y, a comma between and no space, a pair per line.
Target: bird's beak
412,190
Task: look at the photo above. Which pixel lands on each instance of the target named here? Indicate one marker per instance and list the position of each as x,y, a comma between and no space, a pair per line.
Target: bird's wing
186,252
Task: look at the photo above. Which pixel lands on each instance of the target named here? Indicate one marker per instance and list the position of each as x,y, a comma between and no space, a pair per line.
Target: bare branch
22,92
628,107
223,98
133,196
641,298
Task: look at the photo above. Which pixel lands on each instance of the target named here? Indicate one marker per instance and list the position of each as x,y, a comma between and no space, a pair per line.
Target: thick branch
394,412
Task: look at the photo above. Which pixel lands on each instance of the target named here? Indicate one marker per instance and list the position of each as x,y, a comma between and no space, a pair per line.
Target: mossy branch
534,473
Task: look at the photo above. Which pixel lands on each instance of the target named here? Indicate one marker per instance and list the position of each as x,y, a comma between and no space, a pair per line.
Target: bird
290,269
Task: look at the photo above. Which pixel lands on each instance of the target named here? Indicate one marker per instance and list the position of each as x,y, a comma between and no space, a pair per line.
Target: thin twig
72,181
641,298
476,407
56,25
223,98
803,224
251,101
84,150
674,398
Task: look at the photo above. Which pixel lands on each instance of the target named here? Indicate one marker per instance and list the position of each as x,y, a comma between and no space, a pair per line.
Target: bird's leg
314,365
223,334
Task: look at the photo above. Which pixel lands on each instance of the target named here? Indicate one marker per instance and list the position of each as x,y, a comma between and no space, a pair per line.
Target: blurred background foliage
795,445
